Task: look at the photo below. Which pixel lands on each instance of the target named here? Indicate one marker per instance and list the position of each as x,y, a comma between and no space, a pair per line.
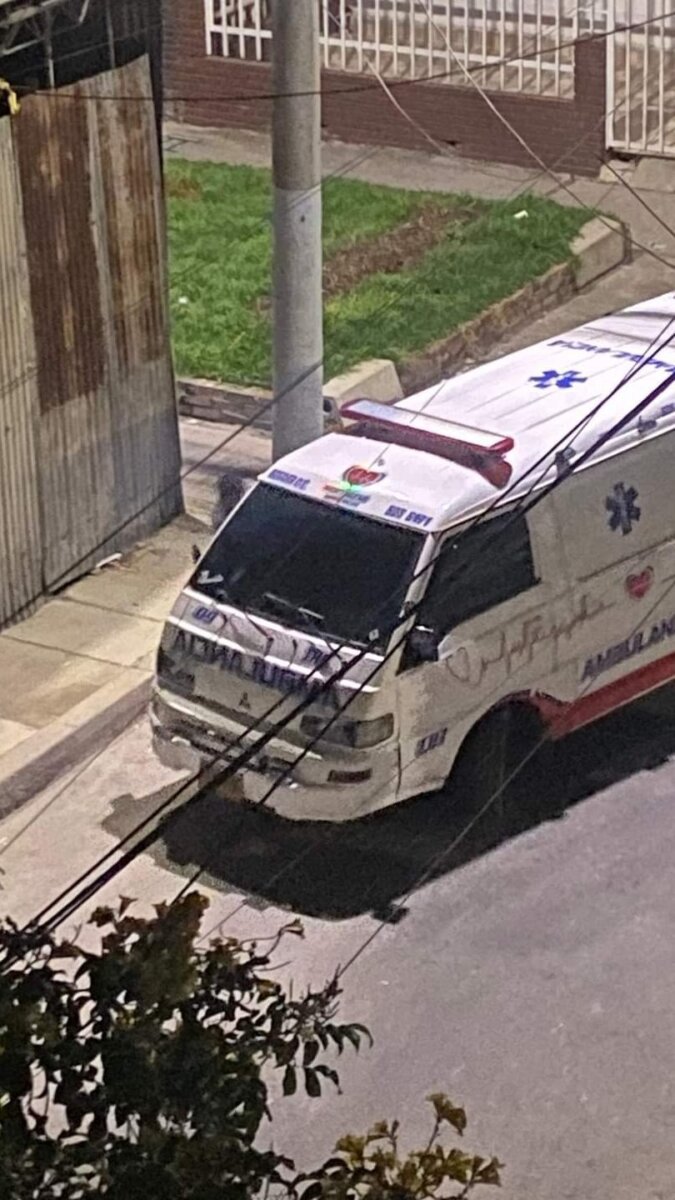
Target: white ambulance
395,555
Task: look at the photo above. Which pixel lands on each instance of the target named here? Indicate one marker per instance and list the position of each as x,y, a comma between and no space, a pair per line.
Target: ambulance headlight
357,734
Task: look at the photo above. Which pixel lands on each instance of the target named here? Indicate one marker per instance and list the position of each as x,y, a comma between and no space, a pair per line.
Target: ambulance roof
536,396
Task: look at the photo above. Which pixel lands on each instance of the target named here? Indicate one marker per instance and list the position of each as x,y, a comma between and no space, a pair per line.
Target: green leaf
329,1073
354,1033
313,1192
379,1130
312,1083
295,928
447,1111
310,1053
290,1081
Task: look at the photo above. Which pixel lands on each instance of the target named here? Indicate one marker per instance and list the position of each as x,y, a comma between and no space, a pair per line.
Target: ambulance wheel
494,779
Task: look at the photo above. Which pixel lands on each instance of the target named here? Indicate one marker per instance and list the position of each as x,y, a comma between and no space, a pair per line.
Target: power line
247,732
196,465
254,97
519,510
69,782
189,271
520,139
640,198
436,859
32,373
252,751
28,604
263,409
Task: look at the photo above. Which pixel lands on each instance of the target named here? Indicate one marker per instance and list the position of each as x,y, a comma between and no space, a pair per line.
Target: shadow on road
340,871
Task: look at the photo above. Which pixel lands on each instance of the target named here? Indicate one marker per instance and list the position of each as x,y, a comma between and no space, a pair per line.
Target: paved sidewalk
242,453
79,670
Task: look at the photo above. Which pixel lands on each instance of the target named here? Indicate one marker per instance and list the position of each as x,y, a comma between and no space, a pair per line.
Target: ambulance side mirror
423,644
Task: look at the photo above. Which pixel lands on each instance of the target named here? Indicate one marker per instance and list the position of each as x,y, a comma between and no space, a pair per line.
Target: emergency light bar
419,431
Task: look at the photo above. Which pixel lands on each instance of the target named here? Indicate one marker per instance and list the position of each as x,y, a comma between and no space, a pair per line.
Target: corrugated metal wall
100,445
20,530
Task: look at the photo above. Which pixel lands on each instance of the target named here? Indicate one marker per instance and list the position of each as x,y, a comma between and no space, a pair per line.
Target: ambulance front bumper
342,786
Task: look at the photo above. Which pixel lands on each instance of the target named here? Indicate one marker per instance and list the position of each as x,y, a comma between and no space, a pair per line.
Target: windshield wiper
213,585
309,617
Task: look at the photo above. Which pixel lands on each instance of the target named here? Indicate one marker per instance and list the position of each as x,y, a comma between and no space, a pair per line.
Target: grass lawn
402,268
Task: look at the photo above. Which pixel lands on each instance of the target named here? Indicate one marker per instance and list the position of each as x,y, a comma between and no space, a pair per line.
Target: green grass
220,253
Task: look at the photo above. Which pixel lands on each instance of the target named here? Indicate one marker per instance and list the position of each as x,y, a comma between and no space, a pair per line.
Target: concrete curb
374,379
224,402
131,602
58,747
601,246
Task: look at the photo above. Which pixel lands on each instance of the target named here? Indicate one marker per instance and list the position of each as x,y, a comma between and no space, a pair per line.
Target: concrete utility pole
296,158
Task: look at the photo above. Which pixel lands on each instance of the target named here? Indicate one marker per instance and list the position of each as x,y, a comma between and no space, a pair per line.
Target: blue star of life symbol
559,379
623,510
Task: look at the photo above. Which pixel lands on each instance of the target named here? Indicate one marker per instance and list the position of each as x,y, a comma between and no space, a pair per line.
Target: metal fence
89,454
641,77
20,527
508,45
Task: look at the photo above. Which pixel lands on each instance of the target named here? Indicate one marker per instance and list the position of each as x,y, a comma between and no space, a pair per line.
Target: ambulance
392,604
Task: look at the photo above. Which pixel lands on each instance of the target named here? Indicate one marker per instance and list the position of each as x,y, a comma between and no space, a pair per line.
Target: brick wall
203,90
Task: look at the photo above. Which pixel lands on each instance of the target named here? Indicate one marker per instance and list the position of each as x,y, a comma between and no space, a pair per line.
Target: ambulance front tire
497,776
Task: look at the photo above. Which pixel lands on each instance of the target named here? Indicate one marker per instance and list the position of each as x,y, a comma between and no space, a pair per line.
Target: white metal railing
512,45
509,45
641,77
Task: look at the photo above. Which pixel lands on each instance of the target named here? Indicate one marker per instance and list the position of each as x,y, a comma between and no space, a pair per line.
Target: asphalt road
532,976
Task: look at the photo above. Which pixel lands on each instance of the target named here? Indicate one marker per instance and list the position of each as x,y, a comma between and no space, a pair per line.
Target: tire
494,779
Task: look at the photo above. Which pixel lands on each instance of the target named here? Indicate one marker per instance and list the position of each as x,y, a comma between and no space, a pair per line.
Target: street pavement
532,976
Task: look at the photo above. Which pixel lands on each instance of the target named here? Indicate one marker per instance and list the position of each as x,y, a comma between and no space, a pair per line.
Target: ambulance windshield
311,566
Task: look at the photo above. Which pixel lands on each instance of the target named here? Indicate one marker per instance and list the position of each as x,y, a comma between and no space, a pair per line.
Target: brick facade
566,134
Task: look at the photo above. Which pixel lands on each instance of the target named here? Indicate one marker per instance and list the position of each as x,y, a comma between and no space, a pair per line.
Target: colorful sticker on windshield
348,499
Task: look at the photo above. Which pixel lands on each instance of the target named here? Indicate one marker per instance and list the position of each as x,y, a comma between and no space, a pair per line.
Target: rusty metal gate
89,451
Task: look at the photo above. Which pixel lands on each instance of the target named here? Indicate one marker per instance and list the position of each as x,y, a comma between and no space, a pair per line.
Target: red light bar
422,432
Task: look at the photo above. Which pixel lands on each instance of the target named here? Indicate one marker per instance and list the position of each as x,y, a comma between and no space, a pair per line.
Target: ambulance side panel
618,525
516,650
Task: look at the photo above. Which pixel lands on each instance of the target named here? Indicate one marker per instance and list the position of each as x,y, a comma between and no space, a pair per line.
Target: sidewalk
77,671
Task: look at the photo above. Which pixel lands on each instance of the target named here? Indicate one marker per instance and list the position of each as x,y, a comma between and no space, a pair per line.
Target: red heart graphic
637,586
361,476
